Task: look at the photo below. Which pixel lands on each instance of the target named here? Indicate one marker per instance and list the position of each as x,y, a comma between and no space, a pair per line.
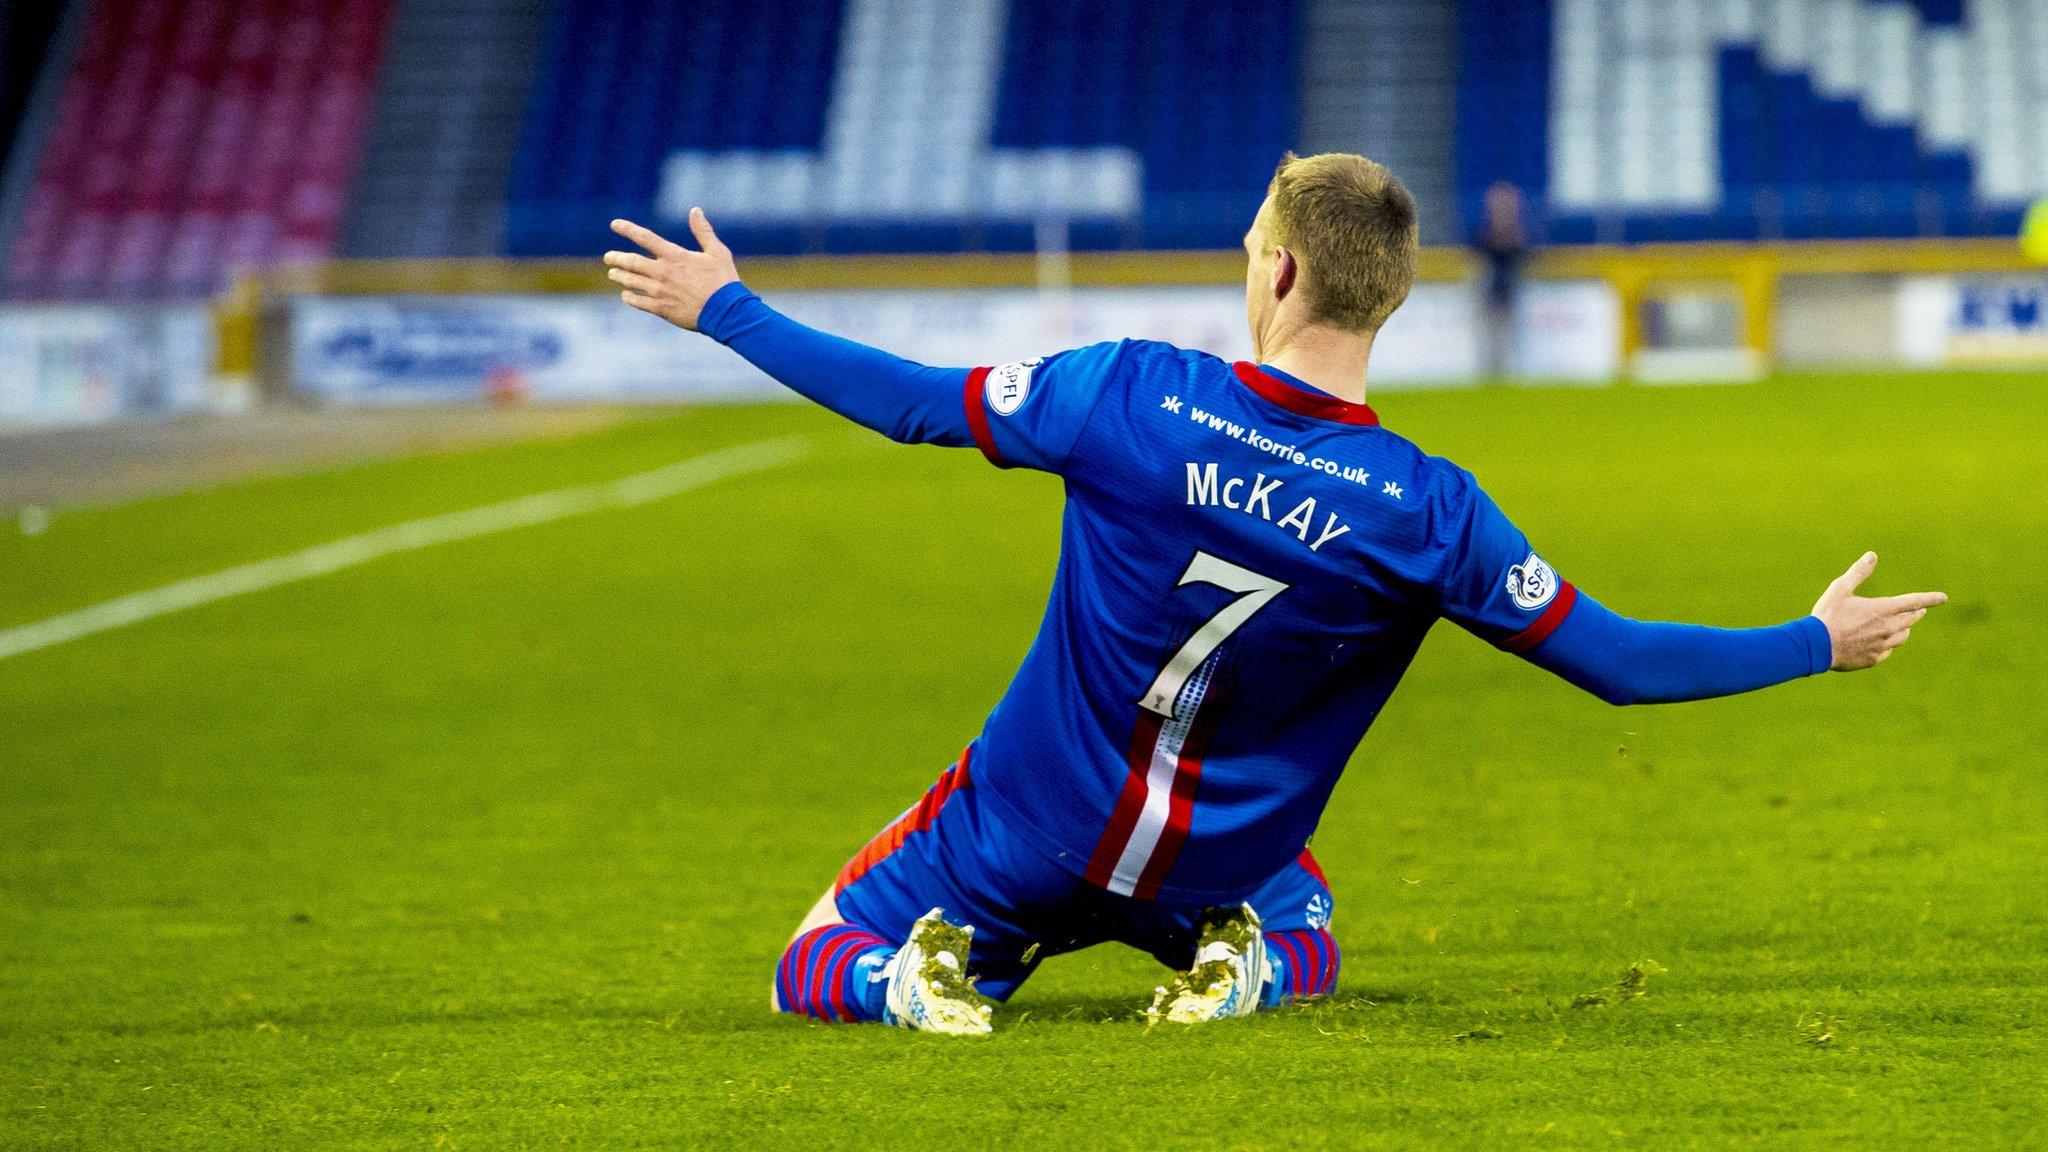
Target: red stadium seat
195,138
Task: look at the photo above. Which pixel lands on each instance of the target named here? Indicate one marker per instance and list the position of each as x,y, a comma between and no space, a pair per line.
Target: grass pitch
495,844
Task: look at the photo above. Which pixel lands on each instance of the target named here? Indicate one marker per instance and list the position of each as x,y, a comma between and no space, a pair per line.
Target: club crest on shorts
1532,583
1008,385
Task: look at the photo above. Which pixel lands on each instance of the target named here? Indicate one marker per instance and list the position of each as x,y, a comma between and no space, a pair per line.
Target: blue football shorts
952,851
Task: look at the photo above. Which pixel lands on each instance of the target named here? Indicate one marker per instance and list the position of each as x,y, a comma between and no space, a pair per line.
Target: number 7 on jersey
1254,592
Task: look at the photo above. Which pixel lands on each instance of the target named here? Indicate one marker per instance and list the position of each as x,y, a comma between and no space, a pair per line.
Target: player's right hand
1865,629
671,281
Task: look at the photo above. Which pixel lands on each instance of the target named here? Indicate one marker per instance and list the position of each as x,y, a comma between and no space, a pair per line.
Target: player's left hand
671,281
1865,630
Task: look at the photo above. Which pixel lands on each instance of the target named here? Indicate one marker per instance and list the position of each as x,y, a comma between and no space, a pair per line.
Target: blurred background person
2034,232
1503,247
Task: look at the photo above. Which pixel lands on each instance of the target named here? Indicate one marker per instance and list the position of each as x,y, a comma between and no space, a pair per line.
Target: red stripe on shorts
917,819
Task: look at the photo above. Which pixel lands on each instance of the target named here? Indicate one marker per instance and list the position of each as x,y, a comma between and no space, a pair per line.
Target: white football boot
929,988
1229,974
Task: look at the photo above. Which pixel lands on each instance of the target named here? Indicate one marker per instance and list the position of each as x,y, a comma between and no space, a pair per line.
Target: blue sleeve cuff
1820,647
711,321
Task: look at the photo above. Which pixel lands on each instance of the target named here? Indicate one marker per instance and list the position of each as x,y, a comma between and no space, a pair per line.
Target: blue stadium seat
1202,94
623,83
1640,120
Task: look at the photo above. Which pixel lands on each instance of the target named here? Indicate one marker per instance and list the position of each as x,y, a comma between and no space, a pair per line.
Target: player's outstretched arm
1626,661
700,291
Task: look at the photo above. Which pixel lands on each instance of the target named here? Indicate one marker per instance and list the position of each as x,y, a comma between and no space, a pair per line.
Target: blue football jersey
1247,566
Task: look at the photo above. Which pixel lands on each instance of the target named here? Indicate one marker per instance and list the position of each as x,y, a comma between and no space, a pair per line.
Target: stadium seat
1694,119
926,124
191,137
194,138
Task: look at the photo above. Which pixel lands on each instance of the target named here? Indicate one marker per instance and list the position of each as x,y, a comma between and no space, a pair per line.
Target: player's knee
797,972
821,974
1307,960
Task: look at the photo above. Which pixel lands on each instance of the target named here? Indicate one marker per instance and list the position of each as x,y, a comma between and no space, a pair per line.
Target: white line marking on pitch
349,551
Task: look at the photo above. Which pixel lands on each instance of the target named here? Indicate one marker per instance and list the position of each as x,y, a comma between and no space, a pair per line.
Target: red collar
1299,400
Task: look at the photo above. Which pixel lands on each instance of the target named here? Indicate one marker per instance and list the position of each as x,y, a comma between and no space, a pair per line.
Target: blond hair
1351,225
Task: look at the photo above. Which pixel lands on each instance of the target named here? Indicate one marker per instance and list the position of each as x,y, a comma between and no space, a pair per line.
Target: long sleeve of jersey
1496,586
1027,414
1626,661
905,401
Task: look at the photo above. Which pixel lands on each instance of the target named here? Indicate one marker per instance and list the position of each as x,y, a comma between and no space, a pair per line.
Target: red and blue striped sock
828,973
1305,963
